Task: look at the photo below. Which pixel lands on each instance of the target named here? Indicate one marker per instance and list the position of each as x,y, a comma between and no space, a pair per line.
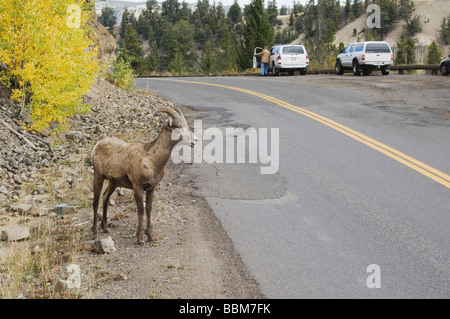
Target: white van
365,57
285,58
288,58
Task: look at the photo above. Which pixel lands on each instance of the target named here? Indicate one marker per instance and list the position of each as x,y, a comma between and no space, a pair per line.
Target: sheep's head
177,124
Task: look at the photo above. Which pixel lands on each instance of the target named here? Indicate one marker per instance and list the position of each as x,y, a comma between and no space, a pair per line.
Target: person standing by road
265,56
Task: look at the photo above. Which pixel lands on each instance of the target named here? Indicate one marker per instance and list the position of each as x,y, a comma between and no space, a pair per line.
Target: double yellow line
416,165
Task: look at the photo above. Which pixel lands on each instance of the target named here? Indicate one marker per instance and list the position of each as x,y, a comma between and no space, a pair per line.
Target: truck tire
339,68
366,71
356,70
275,70
443,69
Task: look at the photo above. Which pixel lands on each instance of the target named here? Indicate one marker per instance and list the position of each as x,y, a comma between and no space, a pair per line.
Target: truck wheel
338,68
303,71
356,70
385,71
275,70
366,71
443,69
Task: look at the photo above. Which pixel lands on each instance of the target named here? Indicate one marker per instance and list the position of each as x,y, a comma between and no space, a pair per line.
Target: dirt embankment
193,257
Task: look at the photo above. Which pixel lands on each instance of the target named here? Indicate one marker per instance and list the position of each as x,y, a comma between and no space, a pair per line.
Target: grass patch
31,269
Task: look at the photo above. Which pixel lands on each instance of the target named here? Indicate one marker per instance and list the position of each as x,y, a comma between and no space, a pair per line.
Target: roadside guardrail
394,67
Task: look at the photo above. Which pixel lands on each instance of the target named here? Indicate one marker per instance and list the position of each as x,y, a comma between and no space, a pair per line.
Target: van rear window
377,48
293,50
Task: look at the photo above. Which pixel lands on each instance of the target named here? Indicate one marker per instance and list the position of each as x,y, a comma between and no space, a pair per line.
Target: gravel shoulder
193,257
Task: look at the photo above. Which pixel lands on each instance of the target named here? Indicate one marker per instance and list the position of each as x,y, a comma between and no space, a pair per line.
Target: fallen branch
34,147
42,141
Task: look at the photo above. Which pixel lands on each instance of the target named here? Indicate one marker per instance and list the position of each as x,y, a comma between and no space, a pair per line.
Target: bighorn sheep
137,166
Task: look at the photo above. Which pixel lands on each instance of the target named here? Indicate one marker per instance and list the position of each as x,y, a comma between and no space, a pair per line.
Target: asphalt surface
337,203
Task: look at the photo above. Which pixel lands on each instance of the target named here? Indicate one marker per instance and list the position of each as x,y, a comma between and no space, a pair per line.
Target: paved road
362,180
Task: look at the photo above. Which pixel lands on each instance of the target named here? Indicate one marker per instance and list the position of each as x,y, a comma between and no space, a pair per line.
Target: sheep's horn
174,114
179,112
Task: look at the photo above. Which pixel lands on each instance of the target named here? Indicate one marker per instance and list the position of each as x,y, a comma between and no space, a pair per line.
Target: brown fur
137,166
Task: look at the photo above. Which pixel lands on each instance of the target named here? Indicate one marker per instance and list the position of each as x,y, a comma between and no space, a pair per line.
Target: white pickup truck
365,57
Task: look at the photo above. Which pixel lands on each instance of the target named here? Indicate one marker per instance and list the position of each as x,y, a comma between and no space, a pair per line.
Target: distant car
288,58
365,57
444,66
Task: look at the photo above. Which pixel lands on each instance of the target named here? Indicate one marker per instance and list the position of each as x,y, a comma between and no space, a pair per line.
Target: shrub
122,74
413,26
434,56
178,64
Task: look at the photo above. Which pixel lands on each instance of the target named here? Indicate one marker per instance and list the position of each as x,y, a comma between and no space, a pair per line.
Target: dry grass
31,269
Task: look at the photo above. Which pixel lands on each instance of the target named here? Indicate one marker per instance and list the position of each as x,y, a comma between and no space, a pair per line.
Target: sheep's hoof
106,231
150,237
141,243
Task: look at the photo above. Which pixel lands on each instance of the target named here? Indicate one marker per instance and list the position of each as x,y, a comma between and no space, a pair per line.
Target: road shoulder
194,258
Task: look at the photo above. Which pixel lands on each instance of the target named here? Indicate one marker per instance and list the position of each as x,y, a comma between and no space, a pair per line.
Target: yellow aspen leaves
46,50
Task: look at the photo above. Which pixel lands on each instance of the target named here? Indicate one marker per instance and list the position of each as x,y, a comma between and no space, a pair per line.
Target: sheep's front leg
148,210
138,196
97,185
106,196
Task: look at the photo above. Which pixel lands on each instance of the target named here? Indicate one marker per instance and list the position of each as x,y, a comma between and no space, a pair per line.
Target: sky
241,2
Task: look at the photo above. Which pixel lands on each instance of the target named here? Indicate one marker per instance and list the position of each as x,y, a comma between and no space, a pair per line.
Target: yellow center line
407,160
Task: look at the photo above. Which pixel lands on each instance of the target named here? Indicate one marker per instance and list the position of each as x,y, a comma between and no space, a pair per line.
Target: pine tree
178,64
406,51
413,25
235,13
291,21
130,48
272,11
125,21
257,32
107,19
410,50
207,63
348,11
284,10
444,33
170,10
330,30
356,8
434,56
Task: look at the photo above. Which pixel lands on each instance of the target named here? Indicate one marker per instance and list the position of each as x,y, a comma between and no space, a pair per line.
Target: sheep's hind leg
138,196
148,210
97,186
106,196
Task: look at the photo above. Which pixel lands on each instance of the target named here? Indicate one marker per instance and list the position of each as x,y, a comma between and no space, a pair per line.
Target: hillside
119,7
431,11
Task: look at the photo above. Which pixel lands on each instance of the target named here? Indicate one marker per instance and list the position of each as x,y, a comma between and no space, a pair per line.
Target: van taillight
363,57
307,57
392,57
279,57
